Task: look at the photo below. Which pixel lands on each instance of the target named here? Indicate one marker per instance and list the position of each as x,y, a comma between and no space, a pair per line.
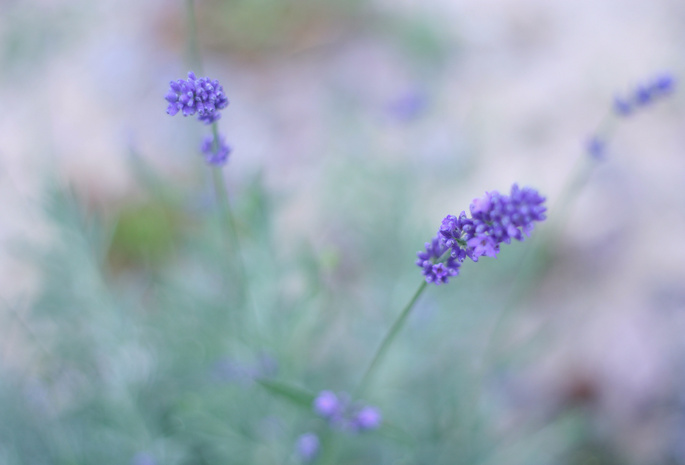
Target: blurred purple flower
408,106
202,96
663,84
645,94
328,405
307,446
596,147
344,415
368,418
215,156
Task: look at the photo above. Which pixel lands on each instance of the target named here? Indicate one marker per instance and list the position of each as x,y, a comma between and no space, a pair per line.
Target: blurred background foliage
135,331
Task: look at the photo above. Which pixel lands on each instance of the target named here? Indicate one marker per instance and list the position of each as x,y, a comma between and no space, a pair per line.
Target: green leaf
294,394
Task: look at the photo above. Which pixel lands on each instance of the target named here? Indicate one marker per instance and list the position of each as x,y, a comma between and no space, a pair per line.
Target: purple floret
454,231
203,96
216,156
437,273
482,244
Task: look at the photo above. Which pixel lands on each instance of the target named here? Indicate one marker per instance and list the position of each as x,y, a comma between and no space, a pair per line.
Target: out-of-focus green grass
159,355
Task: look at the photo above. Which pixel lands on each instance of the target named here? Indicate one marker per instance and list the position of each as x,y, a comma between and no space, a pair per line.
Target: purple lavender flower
482,244
328,405
344,415
307,446
439,272
202,96
645,94
495,218
215,155
367,418
663,84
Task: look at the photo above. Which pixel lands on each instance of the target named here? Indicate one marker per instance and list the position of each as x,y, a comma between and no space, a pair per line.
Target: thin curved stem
388,339
194,57
227,216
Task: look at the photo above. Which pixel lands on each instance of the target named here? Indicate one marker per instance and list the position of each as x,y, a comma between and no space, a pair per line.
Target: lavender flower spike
645,94
202,96
216,156
495,219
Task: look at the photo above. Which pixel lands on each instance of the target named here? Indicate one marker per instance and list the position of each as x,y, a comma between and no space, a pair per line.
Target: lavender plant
495,219
169,365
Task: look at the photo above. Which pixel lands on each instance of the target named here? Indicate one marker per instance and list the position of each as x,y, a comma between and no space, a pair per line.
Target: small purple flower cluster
215,154
342,414
644,95
205,97
202,96
440,272
495,219
641,96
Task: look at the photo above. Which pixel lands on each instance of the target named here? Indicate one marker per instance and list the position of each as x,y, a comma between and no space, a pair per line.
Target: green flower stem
387,340
215,134
222,198
225,208
331,444
227,219
222,195
194,57
582,170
